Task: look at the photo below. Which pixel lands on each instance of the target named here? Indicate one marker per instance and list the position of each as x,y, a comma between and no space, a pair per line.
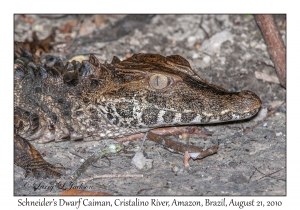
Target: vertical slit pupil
157,80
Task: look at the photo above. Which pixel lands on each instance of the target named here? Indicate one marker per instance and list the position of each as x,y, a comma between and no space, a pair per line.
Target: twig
79,23
274,43
269,175
251,175
131,137
168,131
109,163
151,189
177,147
200,26
112,176
75,154
113,148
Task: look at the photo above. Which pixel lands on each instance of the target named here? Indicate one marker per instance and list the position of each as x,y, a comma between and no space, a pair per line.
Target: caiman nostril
247,94
250,96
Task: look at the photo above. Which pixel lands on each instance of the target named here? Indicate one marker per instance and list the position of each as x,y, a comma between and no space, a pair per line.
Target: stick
274,43
113,148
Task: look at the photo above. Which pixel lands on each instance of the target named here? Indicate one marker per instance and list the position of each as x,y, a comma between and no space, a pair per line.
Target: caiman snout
251,98
247,103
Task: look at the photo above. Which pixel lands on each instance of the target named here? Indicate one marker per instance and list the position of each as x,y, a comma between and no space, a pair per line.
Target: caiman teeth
207,114
225,111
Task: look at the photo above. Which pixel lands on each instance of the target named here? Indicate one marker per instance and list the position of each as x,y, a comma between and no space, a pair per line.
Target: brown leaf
67,28
75,192
275,104
185,135
131,137
128,55
86,28
100,20
283,25
72,22
186,159
197,46
68,38
28,19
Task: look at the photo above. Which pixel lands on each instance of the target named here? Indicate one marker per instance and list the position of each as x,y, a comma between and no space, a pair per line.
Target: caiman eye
159,81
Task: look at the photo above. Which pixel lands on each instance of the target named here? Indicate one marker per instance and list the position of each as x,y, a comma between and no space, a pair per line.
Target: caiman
90,101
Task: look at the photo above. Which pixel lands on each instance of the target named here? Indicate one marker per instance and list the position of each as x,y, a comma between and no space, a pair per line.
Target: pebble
175,169
282,109
191,39
213,45
141,162
195,55
207,59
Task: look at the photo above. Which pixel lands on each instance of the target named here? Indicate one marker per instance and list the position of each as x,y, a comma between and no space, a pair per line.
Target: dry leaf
100,20
275,104
28,19
186,159
75,192
67,28
87,27
185,135
128,55
266,77
197,46
68,38
283,25
72,22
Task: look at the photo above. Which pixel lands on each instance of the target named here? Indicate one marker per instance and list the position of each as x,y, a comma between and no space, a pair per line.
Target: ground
226,50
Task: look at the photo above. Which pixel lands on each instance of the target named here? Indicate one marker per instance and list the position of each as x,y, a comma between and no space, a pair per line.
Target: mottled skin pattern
92,101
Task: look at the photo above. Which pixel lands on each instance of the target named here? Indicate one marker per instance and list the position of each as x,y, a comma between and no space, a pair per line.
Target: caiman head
90,100
150,90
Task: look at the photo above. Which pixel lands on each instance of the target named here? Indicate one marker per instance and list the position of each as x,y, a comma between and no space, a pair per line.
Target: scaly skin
92,101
